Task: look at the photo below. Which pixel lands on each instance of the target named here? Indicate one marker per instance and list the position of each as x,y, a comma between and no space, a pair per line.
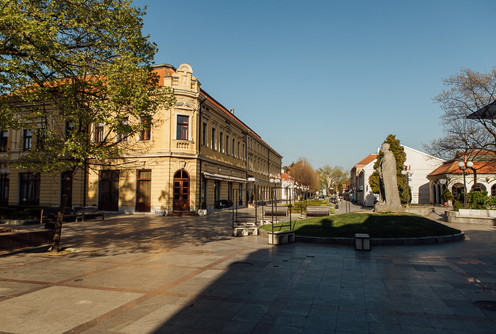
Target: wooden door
181,191
108,190
143,190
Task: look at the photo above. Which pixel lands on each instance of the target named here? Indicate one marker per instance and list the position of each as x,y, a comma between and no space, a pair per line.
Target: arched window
493,190
479,187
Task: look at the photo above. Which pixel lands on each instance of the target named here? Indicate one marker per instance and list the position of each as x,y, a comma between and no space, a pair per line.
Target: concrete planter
472,216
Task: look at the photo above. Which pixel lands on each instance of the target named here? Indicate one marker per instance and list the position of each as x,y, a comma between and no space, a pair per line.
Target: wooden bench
275,211
50,215
88,212
281,237
318,211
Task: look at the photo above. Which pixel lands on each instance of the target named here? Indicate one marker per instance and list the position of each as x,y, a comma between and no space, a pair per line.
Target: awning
487,112
223,177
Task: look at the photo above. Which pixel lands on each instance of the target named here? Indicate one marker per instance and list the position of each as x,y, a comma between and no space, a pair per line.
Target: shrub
491,202
447,195
477,199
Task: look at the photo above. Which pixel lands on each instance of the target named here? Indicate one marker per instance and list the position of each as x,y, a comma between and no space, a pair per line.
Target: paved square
224,284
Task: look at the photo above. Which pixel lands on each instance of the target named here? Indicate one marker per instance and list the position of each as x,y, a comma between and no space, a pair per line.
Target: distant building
359,177
417,164
289,187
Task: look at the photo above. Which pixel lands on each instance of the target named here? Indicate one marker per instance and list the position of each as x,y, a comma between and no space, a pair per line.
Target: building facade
481,175
194,156
359,177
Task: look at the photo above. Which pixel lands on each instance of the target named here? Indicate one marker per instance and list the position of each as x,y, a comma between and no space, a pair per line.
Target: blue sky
326,80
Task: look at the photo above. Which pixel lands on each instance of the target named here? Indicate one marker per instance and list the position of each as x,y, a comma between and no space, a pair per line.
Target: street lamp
463,165
407,175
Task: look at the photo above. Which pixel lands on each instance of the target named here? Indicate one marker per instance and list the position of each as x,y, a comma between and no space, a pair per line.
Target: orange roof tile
451,167
368,159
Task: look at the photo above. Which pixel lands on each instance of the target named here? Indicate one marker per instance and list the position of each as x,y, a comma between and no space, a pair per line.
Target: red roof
368,159
451,167
285,177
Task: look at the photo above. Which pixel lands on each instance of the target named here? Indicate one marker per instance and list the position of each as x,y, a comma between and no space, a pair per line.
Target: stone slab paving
135,274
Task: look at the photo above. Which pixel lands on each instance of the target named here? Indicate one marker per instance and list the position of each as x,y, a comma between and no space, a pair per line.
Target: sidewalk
147,274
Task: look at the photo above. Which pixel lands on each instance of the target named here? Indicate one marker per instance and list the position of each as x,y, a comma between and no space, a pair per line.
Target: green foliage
400,157
447,195
491,202
332,178
80,62
477,199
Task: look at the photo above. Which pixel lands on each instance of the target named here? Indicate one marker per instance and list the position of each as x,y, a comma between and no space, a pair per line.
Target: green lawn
377,225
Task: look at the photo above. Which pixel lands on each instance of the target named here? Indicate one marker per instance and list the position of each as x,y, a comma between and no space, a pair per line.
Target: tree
400,157
304,175
66,66
332,178
466,93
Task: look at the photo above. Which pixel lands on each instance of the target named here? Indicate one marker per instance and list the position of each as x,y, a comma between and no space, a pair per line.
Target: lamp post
407,175
463,165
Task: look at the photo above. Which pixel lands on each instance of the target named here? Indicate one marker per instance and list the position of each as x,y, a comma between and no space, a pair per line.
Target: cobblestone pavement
148,274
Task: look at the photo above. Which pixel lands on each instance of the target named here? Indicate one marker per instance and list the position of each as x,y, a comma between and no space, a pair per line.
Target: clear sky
327,80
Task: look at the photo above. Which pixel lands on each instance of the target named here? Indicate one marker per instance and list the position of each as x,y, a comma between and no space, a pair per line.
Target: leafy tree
400,157
68,65
304,175
332,178
466,92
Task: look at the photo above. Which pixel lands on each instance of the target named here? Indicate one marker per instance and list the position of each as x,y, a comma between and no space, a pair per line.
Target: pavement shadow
124,234
248,297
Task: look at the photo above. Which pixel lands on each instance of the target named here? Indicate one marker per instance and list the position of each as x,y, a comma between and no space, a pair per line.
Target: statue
390,196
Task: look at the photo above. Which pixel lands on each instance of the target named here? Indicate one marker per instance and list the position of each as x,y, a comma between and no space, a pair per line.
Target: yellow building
196,155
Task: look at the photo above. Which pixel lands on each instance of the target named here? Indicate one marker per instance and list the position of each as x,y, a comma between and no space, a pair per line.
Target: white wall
420,164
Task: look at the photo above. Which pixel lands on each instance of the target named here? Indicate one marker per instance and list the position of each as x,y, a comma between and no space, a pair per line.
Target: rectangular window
233,143
4,188
69,127
204,134
4,140
227,144
41,137
239,152
221,144
122,136
27,140
146,132
29,192
182,127
213,139
99,132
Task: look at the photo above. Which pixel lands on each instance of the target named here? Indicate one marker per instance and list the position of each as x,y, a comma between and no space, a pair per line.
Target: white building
418,165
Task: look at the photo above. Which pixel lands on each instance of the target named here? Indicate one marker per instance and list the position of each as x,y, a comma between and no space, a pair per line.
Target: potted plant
447,197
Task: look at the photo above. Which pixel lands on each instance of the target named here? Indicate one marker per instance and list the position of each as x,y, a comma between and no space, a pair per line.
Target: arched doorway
458,190
181,191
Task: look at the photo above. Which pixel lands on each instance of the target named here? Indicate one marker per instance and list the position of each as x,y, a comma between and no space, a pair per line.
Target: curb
382,241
